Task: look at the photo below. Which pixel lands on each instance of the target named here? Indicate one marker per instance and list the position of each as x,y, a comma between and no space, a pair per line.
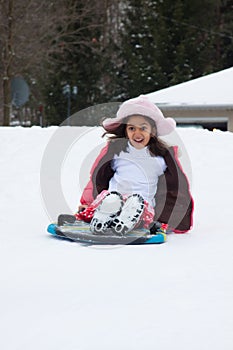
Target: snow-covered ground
58,295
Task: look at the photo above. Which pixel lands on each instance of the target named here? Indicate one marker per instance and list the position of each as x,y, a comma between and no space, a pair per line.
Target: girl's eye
133,128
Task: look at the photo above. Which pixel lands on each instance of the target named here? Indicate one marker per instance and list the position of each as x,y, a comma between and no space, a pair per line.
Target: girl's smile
138,131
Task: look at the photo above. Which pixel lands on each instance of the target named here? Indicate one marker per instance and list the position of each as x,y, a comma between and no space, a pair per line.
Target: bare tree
32,32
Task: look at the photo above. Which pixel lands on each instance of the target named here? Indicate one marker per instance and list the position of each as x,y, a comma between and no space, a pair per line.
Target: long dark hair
119,142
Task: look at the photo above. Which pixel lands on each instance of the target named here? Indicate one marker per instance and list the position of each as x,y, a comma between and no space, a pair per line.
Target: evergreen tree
139,71
167,42
223,34
187,39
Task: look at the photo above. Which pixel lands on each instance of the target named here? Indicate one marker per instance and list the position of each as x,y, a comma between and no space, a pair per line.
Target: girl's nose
137,131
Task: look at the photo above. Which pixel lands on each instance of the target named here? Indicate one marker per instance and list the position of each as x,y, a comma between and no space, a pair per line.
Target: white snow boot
106,212
130,215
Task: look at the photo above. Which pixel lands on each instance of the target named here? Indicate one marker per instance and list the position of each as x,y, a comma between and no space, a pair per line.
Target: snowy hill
57,295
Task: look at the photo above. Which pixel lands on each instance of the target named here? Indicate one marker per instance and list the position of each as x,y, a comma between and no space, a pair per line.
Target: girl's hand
82,207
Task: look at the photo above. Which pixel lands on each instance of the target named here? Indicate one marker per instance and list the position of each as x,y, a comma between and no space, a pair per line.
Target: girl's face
139,131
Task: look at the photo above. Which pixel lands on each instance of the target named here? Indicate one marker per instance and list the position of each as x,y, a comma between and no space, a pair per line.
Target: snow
213,89
58,295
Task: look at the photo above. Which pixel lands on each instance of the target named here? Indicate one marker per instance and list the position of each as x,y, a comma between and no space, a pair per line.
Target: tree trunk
7,59
6,101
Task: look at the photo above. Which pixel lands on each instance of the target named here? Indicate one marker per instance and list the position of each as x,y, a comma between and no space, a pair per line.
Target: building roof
213,90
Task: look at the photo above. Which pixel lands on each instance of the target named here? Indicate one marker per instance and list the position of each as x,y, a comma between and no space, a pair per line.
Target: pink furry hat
141,106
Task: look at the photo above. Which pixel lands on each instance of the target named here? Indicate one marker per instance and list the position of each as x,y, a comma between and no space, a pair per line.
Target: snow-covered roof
215,89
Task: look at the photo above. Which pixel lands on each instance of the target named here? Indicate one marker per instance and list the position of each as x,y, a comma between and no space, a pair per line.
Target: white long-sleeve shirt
137,171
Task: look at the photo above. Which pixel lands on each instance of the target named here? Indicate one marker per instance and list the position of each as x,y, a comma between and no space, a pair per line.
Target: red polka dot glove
85,215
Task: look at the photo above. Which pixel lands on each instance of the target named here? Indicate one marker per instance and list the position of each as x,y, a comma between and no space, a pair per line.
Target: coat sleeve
100,175
174,203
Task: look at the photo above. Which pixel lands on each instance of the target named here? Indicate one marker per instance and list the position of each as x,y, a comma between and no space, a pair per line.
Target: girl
136,180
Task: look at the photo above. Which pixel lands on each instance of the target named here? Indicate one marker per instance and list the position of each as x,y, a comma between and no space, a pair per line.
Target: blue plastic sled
80,232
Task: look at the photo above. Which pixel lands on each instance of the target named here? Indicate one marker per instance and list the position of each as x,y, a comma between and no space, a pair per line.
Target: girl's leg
147,216
148,221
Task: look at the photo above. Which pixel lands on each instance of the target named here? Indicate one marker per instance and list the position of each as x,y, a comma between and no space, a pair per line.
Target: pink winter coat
174,203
